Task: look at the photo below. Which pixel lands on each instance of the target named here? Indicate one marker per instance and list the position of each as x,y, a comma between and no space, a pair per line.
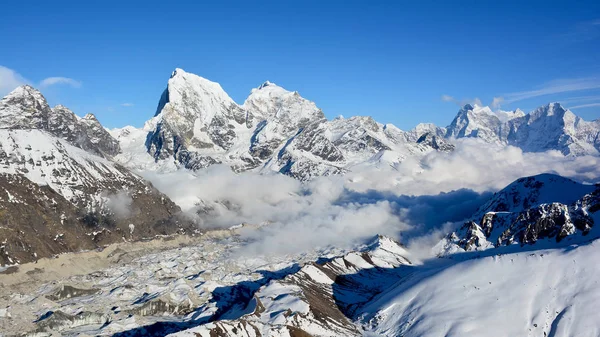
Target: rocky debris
67,292
161,307
534,208
56,321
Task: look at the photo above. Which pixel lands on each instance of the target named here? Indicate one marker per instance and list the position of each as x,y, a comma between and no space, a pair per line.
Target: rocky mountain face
549,127
197,125
25,108
543,207
60,193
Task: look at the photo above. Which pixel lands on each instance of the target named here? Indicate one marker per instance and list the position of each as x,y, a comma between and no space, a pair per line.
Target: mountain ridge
278,131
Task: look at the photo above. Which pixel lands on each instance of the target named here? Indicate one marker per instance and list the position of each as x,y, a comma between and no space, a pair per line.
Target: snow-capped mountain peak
505,116
272,101
550,109
24,107
193,97
542,207
265,84
549,127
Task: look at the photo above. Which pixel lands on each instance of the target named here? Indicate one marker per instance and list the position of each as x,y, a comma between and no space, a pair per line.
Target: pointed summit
271,100
266,84
190,96
467,107
24,108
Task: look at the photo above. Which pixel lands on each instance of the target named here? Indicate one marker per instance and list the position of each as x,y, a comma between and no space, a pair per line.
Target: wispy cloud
554,87
50,81
582,32
462,102
584,106
10,79
580,99
448,98
497,102
127,104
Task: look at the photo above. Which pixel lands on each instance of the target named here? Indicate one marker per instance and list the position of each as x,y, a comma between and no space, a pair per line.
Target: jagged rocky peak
24,107
265,84
527,192
422,129
506,116
561,117
550,109
475,121
86,133
436,142
549,127
542,207
286,107
195,115
193,97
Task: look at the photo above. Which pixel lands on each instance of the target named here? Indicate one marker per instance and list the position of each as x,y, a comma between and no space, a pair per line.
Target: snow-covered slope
541,293
549,127
546,207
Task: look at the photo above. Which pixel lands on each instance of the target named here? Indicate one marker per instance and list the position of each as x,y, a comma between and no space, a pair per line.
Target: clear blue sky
392,60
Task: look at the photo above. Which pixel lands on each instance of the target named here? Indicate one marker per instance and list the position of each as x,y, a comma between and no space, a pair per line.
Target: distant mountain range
275,130
68,185
78,167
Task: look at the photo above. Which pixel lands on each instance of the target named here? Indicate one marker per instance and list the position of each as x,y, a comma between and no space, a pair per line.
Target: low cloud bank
416,201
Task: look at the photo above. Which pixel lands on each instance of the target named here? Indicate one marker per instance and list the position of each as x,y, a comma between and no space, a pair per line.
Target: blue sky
400,62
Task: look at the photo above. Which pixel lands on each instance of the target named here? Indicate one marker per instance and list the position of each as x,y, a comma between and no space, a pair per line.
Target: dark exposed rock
522,213
435,142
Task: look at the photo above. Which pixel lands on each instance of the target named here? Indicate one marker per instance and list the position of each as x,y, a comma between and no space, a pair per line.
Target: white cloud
119,203
127,104
554,87
584,106
9,80
50,81
497,102
473,101
448,98
416,201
